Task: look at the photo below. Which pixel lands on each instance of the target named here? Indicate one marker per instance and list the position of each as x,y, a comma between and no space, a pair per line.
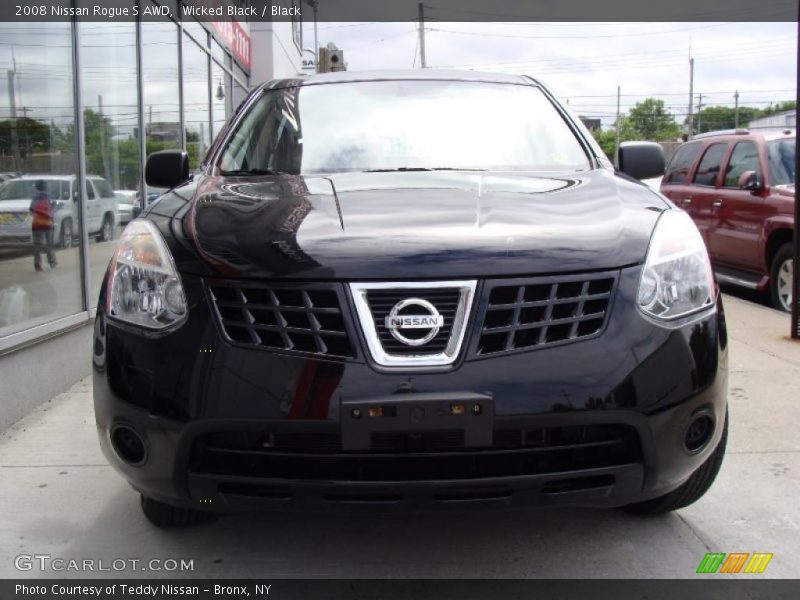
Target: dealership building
82,104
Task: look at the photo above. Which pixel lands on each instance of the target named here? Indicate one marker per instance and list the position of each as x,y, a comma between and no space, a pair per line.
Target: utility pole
315,7
691,96
699,108
616,143
422,63
736,110
12,103
103,150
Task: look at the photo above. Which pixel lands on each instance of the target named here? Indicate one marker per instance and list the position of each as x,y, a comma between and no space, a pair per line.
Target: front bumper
594,423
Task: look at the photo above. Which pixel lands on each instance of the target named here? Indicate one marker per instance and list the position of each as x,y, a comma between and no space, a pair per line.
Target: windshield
24,189
389,125
780,157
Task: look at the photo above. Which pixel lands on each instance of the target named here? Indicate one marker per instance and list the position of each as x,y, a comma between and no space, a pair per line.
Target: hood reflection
354,225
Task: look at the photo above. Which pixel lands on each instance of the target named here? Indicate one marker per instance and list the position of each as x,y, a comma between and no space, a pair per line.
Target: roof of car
768,134
407,74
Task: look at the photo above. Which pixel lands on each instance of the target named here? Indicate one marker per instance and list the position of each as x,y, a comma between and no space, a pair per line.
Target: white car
15,200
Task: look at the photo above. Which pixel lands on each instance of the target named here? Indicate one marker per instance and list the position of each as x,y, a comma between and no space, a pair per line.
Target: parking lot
61,499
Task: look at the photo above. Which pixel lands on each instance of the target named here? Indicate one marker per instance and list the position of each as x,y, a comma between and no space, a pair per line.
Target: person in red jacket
43,209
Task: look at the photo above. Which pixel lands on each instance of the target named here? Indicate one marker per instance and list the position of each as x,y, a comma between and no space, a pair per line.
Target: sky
583,63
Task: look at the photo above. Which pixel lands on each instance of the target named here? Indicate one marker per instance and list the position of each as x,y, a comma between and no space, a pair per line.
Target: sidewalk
60,498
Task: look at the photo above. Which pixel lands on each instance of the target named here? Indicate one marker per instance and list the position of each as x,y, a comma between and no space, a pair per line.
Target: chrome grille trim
458,330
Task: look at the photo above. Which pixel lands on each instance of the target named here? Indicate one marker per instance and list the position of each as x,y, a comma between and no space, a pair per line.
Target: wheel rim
784,284
67,243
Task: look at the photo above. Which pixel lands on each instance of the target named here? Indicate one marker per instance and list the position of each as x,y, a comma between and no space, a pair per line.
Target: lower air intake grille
526,314
413,456
306,320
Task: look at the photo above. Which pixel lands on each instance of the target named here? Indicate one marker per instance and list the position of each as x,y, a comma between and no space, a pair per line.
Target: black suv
421,290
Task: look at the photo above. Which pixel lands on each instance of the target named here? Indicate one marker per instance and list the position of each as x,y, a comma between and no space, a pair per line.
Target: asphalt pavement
60,498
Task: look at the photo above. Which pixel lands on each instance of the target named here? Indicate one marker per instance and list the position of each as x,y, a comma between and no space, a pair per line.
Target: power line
662,53
576,37
741,12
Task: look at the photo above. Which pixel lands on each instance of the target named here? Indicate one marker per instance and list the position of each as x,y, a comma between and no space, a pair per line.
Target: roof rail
740,131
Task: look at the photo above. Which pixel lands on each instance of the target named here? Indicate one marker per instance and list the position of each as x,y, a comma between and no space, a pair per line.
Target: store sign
233,35
309,64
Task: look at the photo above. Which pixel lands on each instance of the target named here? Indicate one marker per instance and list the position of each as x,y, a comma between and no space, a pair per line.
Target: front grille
526,314
294,319
414,456
382,301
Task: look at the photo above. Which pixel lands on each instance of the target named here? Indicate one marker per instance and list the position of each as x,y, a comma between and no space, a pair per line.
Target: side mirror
641,160
749,180
166,168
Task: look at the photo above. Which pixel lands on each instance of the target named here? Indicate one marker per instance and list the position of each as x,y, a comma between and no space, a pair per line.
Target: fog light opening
128,445
698,433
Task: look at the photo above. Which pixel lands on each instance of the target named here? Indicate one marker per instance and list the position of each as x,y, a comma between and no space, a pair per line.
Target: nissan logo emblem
428,318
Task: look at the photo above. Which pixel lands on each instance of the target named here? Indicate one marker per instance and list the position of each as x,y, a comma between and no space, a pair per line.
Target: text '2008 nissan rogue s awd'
421,290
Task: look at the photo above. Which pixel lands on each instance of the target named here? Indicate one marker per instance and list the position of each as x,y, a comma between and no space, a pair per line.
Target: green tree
652,121
712,118
608,138
33,136
777,108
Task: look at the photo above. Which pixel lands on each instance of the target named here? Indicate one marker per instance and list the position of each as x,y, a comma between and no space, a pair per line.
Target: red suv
738,187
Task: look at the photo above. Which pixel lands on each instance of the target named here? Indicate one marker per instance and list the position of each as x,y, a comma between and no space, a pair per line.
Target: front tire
691,490
106,230
780,285
66,234
168,516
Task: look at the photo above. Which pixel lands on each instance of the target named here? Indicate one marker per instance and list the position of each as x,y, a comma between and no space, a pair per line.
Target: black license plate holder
470,412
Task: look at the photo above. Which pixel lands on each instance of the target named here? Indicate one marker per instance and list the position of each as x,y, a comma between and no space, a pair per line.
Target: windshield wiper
406,169
251,172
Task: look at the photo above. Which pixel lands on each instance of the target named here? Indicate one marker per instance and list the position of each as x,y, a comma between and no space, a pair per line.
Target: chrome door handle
686,202
717,204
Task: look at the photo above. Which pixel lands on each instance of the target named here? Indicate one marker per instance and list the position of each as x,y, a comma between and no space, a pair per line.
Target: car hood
21,205
418,225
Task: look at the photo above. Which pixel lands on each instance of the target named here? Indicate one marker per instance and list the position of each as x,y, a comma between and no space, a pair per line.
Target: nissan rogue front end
422,290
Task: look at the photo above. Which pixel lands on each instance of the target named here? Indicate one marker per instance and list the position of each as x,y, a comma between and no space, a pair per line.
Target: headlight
145,288
677,278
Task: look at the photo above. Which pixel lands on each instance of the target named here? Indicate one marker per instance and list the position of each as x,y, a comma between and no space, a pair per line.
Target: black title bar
401,10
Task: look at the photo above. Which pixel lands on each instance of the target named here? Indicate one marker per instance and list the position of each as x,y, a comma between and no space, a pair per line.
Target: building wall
287,56
785,119
261,44
275,53
34,375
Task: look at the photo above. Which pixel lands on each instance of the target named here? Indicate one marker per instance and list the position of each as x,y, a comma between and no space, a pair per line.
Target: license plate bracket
470,412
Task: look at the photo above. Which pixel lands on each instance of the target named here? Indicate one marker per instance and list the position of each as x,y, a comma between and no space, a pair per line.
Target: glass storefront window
195,101
198,33
221,97
111,118
40,271
239,91
160,92
239,94
219,53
